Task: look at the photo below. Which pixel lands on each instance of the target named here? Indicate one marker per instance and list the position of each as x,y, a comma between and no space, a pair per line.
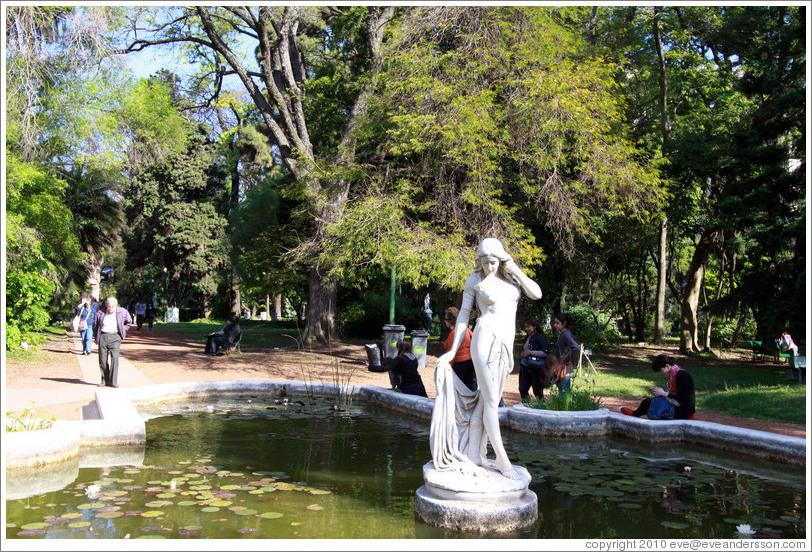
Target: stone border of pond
119,435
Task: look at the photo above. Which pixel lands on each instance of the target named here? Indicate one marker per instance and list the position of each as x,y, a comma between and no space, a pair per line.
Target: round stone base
487,502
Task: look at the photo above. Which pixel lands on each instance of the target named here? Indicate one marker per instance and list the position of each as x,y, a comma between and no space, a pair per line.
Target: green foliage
39,224
28,420
593,327
174,209
579,398
365,317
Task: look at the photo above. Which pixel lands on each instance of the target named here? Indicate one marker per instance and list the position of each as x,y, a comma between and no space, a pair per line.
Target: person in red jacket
462,364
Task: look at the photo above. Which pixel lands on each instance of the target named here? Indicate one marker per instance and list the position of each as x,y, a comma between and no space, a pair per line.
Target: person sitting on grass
678,402
223,338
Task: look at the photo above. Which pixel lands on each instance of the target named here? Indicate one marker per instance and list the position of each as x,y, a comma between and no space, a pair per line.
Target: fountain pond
256,467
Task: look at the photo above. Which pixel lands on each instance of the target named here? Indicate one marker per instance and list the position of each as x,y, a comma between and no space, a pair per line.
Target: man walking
140,312
109,330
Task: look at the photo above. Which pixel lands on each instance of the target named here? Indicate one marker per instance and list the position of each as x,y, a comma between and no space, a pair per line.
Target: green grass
276,333
779,403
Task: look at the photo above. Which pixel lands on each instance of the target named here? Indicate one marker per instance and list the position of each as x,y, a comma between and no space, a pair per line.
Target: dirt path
167,357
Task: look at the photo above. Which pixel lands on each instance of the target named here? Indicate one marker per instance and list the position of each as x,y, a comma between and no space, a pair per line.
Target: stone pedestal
484,501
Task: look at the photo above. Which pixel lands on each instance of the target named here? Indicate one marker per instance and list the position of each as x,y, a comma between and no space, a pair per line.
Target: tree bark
659,311
689,330
277,306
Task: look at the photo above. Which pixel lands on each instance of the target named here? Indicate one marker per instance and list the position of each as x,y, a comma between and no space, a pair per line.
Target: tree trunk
689,331
659,312
236,302
321,309
277,306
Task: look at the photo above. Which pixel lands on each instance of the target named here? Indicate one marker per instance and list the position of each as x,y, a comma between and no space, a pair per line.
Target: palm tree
97,215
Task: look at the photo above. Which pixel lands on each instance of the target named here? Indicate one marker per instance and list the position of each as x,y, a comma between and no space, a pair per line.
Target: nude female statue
464,421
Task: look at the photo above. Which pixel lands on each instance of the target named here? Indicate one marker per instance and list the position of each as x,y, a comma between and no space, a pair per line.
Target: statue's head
490,247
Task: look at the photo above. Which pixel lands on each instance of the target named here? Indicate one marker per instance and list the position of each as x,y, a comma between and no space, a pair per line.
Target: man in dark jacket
109,330
225,337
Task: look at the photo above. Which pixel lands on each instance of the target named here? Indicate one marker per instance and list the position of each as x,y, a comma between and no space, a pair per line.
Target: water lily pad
109,515
165,495
221,503
674,525
158,504
210,509
187,503
132,487
295,523
187,532
245,512
37,525
115,493
320,492
133,513
91,505
230,487
151,537
315,507
270,515
152,513
30,532
79,524
72,515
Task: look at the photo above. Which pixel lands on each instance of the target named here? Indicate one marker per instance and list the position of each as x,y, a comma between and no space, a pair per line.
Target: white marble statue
463,421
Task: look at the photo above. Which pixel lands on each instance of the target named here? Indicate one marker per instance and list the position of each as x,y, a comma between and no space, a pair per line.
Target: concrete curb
119,435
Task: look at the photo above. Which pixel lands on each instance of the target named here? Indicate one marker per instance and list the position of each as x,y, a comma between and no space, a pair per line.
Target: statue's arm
531,288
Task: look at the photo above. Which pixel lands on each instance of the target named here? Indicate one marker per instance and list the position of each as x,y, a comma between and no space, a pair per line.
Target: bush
579,398
27,296
593,327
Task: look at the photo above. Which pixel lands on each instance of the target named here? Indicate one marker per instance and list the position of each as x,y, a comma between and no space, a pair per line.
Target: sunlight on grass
779,403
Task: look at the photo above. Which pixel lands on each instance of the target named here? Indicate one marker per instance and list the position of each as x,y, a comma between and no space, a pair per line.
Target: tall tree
278,87
488,122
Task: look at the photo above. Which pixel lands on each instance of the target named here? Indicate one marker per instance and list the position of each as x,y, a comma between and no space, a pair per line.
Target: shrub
579,398
593,327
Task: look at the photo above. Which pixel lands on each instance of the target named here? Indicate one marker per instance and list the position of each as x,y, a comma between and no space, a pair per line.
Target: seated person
224,337
677,403
786,344
403,372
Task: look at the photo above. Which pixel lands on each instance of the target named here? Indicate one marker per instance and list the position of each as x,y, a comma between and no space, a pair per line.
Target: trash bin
374,358
392,333
420,340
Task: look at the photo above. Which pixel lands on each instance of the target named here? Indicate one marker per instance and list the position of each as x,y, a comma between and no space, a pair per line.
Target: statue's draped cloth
456,407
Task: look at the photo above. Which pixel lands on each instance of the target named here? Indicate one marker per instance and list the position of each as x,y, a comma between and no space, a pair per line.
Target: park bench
761,349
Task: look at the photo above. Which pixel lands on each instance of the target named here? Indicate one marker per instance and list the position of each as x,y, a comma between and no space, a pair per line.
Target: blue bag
660,409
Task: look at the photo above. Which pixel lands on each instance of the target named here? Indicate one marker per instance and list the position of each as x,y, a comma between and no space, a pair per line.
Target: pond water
247,467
